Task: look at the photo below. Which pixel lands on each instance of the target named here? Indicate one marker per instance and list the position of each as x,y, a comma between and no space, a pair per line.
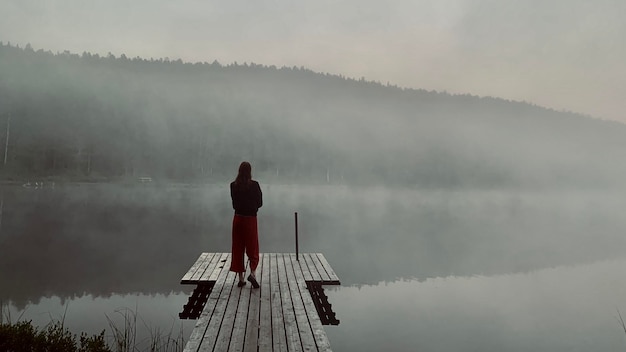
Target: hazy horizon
453,222
564,55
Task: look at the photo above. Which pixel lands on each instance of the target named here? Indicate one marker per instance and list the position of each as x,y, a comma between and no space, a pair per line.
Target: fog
467,259
110,239
116,167
558,309
564,54
112,119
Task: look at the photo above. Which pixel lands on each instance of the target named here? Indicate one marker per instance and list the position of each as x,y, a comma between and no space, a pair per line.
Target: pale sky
562,54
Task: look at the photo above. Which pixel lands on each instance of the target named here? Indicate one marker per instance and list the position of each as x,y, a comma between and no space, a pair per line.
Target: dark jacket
247,199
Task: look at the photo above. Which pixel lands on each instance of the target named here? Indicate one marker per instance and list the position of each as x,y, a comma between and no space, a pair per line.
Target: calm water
420,269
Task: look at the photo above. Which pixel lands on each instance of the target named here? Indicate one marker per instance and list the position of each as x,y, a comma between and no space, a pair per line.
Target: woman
247,199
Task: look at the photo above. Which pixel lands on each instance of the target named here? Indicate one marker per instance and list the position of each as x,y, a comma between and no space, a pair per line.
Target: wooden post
1,207
296,217
6,145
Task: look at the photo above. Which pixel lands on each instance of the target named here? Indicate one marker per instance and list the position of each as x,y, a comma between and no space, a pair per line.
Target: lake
428,270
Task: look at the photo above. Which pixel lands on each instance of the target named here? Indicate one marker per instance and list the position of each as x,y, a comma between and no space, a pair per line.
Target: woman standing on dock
247,199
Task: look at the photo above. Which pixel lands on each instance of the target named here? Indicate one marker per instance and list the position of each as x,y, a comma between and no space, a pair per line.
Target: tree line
105,118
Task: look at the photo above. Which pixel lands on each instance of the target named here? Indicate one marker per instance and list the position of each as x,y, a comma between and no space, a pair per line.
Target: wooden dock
279,316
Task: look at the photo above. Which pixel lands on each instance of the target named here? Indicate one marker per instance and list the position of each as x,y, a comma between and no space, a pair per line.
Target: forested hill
86,117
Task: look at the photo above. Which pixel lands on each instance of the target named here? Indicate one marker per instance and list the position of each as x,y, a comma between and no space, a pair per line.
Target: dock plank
332,277
315,274
219,331
302,320
304,268
321,340
265,310
279,316
197,335
251,334
279,338
243,317
195,278
222,265
289,317
219,310
320,268
211,269
185,279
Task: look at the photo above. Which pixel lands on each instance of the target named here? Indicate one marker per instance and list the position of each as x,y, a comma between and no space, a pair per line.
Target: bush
22,336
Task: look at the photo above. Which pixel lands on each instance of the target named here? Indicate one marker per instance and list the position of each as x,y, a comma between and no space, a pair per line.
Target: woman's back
247,198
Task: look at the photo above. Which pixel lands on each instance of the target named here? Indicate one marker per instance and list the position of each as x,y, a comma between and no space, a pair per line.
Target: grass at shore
21,335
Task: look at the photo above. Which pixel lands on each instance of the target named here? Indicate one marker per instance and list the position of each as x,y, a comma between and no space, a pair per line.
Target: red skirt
245,238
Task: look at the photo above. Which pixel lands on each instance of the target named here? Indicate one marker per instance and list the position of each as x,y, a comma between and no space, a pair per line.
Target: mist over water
414,263
455,221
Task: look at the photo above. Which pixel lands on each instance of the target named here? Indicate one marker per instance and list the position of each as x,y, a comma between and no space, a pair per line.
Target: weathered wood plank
195,266
265,315
221,304
279,316
302,320
222,265
321,340
279,338
251,339
291,327
198,333
211,268
244,316
247,316
304,268
320,268
315,274
333,279
224,331
201,269
185,279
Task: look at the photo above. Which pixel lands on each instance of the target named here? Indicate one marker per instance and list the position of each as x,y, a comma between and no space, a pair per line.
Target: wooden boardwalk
278,316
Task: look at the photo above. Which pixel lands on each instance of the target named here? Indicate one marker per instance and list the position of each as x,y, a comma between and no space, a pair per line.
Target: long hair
244,175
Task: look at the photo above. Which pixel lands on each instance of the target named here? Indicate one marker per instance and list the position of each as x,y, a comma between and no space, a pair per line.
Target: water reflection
90,241
558,309
154,314
108,241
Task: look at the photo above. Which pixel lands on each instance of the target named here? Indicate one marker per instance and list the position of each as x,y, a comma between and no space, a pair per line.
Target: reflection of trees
105,239
381,235
101,241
